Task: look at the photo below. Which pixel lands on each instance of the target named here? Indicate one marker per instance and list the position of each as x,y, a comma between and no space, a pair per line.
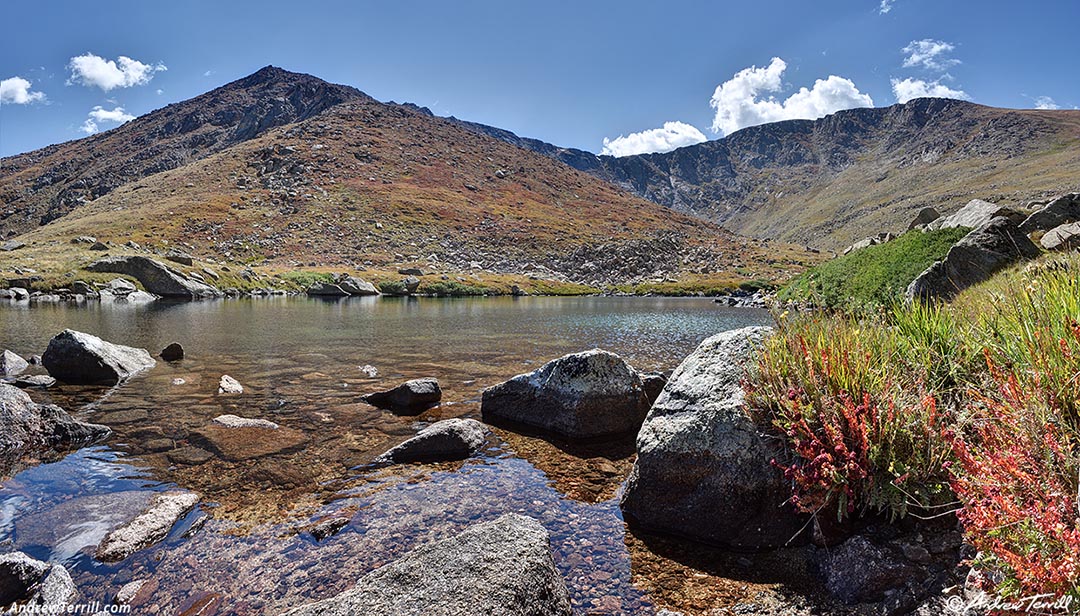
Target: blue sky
658,74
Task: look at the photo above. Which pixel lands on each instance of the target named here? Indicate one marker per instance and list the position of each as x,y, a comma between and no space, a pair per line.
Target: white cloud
909,88
17,90
159,91
886,6
929,54
208,73
100,114
1045,102
673,135
738,105
95,71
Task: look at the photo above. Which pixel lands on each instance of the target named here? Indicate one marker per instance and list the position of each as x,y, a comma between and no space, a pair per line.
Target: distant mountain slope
361,182
854,173
44,185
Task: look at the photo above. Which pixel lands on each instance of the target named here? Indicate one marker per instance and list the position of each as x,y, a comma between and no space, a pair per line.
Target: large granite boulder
326,289
1062,237
147,528
498,568
12,364
410,397
75,357
38,587
449,439
975,258
588,394
355,286
155,277
1060,211
26,425
977,213
703,470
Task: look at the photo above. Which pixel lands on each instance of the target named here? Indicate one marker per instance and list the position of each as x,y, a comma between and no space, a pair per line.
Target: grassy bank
970,408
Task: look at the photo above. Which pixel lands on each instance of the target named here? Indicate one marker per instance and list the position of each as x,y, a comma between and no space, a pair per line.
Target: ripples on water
299,362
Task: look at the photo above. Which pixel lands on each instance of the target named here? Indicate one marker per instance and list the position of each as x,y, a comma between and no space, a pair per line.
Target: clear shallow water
299,362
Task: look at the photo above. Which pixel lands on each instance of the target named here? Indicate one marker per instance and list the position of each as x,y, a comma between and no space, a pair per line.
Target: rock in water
356,286
78,358
229,385
173,352
156,277
449,439
973,259
149,527
594,393
34,381
703,471
325,289
498,568
33,583
11,364
233,421
410,397
25,424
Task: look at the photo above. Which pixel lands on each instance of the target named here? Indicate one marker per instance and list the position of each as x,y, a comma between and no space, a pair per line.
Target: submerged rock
449,439
498,568
410,397
594,393
11,364
78,358
173,352
703,471
328,527
155,277
149,527
233,421
973,259
247,442
229,385
33,583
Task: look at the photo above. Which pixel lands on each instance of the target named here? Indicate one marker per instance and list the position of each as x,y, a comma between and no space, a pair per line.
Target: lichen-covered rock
410,397
1062,210
155,277
975,258
589,394
498,568
147,528
229,385
356,287
35,584
703,470
977,213
75,357
449,439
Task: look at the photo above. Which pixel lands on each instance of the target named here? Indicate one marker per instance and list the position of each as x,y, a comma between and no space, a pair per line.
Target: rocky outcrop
977,213
589,394
449,439
11,364
26,425
75,357
147,528
155,277
32,583
410,397
976,257
498,568
703,470
1063,237
1060,211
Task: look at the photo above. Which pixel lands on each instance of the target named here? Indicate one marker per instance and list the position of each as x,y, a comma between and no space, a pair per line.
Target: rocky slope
359,184
854,173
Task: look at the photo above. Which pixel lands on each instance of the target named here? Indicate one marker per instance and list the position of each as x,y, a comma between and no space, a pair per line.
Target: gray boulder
173,352
594,393
155,277
498,568
449,439
78,358
411,396
654,383
26,425
11,364
1060,211
356,286
857,571
977,213
925,216
147,528
326,289
1063,237
412,283
179,257
34,381
11,245
975,258
703,470
19,294
33,583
